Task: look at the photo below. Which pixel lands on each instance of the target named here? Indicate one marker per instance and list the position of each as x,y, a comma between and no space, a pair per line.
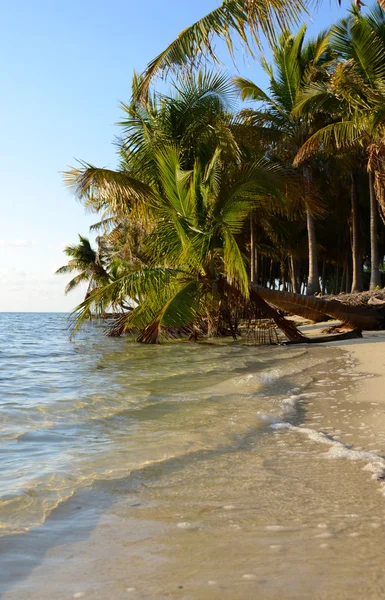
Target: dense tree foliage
213,198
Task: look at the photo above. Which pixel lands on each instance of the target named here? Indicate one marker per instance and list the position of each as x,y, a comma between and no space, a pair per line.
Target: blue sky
66,66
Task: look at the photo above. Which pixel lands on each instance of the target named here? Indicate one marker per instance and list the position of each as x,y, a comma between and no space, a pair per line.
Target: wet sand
192,535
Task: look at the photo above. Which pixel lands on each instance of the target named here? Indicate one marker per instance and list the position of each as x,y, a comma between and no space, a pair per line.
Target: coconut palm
196,116
354,98
196,269
88,263
245,20
249,20
295,65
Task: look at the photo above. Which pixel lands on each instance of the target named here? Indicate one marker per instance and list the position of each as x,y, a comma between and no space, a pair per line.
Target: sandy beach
204,182
118,540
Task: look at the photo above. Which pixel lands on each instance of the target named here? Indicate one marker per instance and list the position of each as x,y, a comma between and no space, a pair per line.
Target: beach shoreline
109,541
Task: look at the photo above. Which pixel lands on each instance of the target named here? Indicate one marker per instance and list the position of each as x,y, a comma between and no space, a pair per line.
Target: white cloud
16,243
12,275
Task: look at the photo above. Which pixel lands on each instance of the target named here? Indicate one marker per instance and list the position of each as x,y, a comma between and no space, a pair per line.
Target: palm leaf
340,135
102,187
254,17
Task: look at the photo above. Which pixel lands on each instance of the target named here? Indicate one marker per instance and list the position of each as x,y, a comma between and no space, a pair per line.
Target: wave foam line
375,462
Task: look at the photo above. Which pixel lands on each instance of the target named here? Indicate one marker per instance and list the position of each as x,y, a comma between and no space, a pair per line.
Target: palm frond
340,135
250,19
99,188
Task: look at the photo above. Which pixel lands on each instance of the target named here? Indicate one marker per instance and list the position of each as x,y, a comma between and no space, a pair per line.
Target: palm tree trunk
361,317
288,327
375,280
293,277
303,311
256,258
313,279
252,251
348,284
323,288
343,280
271,284
357,283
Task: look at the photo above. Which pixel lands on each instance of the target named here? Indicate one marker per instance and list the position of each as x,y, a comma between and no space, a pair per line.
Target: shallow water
202,470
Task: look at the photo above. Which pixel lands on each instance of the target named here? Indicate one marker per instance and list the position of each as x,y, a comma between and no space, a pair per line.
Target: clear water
251,470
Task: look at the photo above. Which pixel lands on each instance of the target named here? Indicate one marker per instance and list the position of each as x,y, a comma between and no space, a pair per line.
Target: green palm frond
235,262
99,188
250,19
181,311
317,98
71,285
140,285
354,38
340,135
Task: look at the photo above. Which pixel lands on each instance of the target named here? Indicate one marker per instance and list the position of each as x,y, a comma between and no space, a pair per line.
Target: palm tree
295,65
196,116
360,317
250,20
354,98
196,270
247,20
88,263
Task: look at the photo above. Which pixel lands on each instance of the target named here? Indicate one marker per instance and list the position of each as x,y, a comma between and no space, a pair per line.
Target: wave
375,463
144,409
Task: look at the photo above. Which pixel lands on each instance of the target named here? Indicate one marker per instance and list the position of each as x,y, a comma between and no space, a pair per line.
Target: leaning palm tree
88,263
196,271
196,274
295,65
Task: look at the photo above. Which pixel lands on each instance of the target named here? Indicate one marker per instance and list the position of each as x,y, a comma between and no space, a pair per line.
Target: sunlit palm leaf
250,19
99,188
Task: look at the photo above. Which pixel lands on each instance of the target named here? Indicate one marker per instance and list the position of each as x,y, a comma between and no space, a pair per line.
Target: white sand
109,560
368,351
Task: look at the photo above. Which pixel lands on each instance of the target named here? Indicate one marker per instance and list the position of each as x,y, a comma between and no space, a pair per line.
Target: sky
66,66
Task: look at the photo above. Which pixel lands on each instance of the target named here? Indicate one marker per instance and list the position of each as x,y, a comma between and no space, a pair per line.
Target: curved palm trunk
354,316
375,279
313,279
306,313
357,283
288,328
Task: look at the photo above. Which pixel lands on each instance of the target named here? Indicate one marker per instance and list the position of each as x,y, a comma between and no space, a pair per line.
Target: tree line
224,189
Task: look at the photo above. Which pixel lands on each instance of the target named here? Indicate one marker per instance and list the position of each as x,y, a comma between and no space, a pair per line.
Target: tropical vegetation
218,209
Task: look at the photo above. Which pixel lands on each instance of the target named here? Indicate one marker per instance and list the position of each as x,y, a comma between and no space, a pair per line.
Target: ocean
185,470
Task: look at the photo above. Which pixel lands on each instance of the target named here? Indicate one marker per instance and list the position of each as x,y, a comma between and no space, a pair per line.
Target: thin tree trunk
357,282
292,274
252,251
313,279
256,259
264,277
323,275
343,279
375,279
335,287
348,284
271,285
